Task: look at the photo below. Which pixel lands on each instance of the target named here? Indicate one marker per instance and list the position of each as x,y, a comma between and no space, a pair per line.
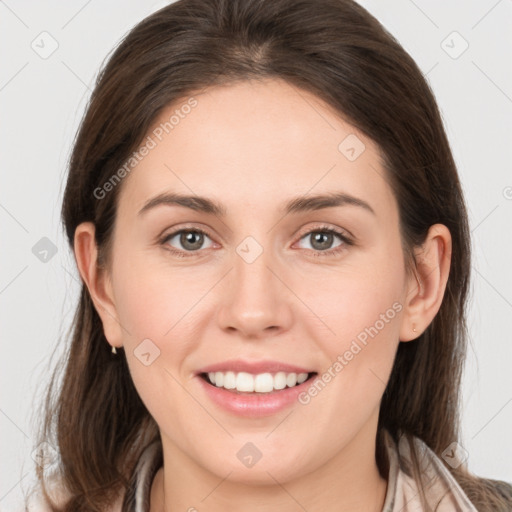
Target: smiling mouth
260,384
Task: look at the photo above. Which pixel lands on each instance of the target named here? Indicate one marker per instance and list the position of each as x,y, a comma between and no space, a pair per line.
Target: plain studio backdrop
51,53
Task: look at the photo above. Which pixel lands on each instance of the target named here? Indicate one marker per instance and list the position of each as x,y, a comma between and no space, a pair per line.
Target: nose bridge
256,299
252,278
252,262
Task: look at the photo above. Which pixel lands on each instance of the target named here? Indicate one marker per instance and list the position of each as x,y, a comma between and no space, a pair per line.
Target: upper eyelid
337,230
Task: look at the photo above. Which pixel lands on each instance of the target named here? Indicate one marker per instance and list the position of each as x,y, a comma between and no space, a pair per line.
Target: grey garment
442,491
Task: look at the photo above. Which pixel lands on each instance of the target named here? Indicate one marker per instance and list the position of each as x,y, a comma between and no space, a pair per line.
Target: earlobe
97,281
426,289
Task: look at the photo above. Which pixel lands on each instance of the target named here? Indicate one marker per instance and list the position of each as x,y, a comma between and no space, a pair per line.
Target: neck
349,481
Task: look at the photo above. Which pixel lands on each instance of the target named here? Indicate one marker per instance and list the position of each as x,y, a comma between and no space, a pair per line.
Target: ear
98,281
425,290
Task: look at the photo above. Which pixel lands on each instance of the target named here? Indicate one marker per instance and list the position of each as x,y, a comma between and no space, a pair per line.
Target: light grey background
42,100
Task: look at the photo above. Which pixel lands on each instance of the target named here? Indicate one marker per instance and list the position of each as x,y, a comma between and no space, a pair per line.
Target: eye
191,240
322,239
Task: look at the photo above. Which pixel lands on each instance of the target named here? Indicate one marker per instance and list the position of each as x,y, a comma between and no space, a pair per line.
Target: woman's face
266,283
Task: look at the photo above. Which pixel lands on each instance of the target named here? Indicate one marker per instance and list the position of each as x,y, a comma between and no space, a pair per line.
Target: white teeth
280,380
260,383
244,382
291,379
301,378
263,383
230,380
219,379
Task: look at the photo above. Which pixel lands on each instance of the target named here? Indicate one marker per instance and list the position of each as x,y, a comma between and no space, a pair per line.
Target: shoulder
37,503
442,491
504,488
149,462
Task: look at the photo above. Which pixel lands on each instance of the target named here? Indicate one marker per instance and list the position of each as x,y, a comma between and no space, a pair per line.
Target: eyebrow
295,205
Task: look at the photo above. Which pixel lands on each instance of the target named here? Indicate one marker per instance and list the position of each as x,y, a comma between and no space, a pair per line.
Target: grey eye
190,239
321,240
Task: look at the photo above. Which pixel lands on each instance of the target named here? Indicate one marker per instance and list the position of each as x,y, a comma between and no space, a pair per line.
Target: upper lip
254,367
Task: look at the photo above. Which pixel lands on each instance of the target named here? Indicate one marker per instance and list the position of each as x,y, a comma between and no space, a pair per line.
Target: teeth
280,380
301,377
260,383
229,380
244,382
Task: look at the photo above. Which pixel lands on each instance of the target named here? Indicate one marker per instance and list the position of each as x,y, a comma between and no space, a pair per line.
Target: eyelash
322,229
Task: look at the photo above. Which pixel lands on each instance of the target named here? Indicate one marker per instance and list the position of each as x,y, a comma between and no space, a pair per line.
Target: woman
275,256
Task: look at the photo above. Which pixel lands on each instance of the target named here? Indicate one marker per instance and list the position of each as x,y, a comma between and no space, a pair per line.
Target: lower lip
254,405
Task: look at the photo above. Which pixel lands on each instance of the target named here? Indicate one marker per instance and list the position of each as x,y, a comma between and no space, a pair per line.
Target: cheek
157,302
359,297
157,311
362,310
359,360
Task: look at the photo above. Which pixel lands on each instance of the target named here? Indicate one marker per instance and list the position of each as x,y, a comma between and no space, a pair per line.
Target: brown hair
338,51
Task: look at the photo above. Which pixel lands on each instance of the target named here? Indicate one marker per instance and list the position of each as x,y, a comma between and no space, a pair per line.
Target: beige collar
442,491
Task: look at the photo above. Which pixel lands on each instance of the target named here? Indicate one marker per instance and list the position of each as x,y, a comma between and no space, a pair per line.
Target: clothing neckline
402,494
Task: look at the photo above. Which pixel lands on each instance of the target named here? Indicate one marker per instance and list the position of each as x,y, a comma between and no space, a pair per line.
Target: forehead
255,143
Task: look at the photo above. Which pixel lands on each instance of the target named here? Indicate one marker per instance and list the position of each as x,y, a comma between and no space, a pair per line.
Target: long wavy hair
92,413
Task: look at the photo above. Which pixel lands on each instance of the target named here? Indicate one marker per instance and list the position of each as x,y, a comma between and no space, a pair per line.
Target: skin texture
287,305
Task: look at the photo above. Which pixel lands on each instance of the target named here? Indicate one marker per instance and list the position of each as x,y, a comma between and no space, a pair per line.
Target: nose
255,299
